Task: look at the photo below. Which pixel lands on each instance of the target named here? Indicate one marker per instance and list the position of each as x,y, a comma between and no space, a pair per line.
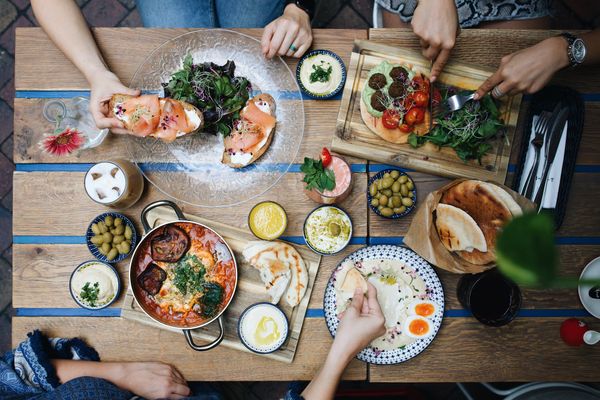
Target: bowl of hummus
327,230
321,74
263,328
94,285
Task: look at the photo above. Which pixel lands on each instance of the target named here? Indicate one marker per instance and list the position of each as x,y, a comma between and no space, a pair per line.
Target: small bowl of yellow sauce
267,220
263,328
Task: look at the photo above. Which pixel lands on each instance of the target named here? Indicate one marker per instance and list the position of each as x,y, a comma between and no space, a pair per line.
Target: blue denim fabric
209,13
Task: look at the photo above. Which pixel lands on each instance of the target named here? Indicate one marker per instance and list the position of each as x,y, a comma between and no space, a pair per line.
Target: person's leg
177,13
248,13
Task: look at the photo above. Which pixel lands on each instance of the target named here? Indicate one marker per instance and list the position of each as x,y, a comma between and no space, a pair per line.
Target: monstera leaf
526,253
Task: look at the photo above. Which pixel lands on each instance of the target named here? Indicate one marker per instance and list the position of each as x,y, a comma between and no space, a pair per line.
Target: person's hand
527,70
362,322
435,22
153,380
103,86
289,35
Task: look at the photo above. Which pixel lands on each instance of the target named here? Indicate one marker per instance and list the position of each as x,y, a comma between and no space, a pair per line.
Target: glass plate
189,169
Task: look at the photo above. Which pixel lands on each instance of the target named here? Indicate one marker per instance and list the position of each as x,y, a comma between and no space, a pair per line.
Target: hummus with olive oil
90,274
324,62
328,229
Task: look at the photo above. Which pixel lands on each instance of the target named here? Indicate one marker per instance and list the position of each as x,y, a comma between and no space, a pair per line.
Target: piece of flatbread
506,198
458,230
353,280
281,267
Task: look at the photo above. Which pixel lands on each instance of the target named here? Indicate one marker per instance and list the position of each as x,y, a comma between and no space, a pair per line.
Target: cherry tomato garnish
390,119
420,83
325,157
405,128
421,98
437,96
414,116
409,101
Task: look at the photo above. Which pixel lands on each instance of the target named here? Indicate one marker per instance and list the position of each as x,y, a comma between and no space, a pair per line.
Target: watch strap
570,38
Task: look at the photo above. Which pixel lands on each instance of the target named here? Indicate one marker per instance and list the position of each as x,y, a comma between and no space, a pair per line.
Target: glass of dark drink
492,298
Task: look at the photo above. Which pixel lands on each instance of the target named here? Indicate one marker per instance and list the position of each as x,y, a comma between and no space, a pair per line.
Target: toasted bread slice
253,133
149,115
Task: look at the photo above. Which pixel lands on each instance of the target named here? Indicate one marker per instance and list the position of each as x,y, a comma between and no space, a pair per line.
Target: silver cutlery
552,143
451,104
540,128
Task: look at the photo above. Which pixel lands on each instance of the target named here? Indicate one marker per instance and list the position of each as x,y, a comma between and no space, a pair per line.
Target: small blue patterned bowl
95,251
305,90
80,302
379,175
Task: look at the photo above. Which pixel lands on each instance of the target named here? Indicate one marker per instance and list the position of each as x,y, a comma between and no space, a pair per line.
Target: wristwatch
307,6
576,50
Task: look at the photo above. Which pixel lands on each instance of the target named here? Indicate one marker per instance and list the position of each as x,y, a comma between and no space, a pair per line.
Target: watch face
578,50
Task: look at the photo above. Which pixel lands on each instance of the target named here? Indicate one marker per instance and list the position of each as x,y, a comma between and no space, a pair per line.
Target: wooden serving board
250,290
354,138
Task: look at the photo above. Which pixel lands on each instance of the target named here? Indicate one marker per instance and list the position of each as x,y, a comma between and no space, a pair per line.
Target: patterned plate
422,268
189,169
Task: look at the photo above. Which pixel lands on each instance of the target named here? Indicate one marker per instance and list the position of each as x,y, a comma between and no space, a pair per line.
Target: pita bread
458,230
353,280
391,135
486,208
506,198
281,267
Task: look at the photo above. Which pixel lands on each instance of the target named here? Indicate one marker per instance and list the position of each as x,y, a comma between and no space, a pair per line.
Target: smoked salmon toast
149,115
252,133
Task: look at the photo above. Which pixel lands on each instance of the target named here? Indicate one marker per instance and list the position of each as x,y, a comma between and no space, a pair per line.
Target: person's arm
435,22
289,35
146,379
362,322
530,69
65,26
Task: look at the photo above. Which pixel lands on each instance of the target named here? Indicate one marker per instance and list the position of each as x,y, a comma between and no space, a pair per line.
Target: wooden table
51,213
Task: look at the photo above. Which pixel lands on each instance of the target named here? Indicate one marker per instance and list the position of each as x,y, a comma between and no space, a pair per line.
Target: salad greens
214,89
467,130
317,176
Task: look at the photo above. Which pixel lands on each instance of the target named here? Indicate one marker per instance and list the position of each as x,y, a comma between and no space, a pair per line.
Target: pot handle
152,206
213,344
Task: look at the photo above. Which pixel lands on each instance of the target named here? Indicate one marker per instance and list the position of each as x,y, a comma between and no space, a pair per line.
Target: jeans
209,13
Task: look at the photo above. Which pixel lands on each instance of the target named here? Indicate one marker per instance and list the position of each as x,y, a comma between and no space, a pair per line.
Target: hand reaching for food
527,70
360,323
289,35
103,87
435,22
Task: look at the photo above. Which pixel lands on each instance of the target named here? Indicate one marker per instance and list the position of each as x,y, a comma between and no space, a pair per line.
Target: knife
551,148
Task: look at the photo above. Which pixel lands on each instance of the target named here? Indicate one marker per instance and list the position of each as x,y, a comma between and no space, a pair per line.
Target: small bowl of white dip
94,285
263,328
321,74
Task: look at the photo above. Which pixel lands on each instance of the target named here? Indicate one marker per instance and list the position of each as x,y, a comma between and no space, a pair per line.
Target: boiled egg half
418,327
423,308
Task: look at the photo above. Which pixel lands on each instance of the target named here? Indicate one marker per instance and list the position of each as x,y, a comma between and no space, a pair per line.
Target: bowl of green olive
391,193
111,237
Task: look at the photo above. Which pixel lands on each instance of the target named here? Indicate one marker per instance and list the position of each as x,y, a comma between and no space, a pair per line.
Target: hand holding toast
103,87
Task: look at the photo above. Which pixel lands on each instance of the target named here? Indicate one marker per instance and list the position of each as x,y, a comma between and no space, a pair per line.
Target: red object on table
572,330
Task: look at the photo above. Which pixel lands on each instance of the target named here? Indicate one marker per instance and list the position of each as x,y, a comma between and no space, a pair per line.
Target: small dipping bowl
96,251
380,175
267,220
308,61
263,322
94,271
318,229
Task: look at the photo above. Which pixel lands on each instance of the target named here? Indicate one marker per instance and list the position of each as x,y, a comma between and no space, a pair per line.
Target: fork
451,104
540,128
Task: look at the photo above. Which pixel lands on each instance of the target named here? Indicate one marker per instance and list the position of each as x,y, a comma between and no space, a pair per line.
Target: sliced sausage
170,244
152,278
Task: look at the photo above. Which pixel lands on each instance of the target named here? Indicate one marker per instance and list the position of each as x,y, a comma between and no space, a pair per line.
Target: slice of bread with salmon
163,118
252,134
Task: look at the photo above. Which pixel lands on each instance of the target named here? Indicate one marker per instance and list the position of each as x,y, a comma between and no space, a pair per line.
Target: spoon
591,337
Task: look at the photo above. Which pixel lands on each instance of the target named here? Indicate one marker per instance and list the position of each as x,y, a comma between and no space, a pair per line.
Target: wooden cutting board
250,290
354,138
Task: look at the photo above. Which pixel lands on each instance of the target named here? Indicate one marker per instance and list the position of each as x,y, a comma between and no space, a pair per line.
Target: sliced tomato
143,113
409,102
421,98
420,83
437,96
414,116
390,119
325,157
405,128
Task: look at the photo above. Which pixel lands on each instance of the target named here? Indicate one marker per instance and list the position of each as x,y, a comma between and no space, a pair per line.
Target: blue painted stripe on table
355,240
24,239
67,312
397,240
83,167
580,168
65,94
566,240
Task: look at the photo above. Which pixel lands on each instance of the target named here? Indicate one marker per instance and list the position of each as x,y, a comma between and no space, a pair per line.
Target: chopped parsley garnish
320,74
89,293
317,176
189,275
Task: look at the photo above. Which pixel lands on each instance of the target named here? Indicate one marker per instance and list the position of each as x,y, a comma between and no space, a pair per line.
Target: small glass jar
116,184
343,183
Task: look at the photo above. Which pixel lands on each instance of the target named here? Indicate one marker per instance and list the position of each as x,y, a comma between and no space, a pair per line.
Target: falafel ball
396,89
377,81
378,101
399,74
